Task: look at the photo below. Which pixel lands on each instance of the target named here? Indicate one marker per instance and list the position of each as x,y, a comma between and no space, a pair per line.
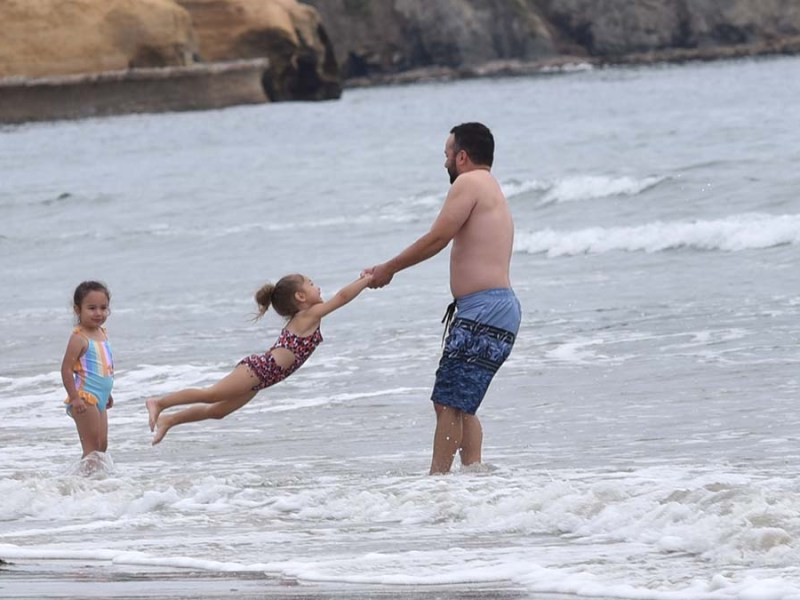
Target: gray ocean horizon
641,441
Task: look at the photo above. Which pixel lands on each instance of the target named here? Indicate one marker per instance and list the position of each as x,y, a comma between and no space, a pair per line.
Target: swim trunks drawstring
448,318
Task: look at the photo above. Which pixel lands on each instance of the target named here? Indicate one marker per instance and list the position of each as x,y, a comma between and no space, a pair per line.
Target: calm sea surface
642,441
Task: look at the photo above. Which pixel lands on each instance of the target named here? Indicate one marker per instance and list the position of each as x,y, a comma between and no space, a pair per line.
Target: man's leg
447,437
472,440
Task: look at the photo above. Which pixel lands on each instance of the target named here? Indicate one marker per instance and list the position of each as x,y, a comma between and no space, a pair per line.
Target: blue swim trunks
479,340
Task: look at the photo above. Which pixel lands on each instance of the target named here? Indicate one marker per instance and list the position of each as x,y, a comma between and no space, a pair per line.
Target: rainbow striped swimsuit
94,372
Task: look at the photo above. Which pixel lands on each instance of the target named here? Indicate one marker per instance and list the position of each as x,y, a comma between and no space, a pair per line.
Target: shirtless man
476,218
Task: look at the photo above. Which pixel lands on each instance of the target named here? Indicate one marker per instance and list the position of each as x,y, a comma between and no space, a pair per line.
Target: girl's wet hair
85,287
280,296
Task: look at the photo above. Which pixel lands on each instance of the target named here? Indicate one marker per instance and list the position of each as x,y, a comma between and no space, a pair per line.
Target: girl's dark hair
280,296
85,287
476,140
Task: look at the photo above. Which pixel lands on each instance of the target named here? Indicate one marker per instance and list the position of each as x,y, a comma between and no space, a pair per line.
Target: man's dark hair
476,140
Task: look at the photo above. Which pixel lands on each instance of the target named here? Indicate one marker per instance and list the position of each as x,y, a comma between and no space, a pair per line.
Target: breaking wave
731,234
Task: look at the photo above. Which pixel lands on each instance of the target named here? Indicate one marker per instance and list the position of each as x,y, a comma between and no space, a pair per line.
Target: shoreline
77,580
572,62
219,85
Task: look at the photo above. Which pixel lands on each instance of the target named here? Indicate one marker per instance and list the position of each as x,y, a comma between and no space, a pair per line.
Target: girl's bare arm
339,299
75,348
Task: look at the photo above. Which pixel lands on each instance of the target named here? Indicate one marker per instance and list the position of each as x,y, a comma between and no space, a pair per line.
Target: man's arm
456,210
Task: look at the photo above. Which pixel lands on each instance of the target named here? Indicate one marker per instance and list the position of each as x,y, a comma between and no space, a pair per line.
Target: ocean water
642,441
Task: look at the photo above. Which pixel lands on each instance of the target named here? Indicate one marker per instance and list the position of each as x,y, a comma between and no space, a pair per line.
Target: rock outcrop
63,37
200,86
46,38
392,36
312,45
615,28
288,33
375,38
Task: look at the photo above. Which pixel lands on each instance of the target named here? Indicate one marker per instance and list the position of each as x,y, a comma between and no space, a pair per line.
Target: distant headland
77,58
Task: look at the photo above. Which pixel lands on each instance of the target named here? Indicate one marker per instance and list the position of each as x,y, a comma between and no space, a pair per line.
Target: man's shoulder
482,174
478,180
482,186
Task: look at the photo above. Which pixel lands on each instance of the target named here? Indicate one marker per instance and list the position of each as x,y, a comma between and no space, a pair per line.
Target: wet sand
74,580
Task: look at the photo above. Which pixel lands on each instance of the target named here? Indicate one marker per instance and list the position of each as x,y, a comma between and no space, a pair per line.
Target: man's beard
453,174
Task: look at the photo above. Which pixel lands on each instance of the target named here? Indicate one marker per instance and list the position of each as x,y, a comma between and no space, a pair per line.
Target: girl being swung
295,297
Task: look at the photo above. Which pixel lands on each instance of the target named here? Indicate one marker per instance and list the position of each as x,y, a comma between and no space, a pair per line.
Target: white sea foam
294,403
94,464
513,188
577,351
572,67
671,477
724,534
579,188
731,234
592,187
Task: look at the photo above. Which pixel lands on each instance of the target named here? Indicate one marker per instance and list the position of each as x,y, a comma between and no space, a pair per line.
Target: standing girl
87,370
295,297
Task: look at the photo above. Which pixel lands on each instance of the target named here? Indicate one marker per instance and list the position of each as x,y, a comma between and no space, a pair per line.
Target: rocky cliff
56,37
290,34
312,45
616,28
46,38
391,36
308,42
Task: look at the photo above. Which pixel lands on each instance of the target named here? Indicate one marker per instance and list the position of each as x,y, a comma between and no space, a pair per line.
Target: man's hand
381,275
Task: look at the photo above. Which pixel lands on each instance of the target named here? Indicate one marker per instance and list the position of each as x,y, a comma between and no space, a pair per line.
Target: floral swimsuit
268,371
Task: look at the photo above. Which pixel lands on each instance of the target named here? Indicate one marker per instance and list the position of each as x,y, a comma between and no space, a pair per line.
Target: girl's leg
228,395
218,410
237,382
102,441
90,426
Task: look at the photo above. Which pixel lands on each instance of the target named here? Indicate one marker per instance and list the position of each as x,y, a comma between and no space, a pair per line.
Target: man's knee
443,409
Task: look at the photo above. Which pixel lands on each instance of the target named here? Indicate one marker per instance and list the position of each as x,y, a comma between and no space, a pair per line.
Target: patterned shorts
472,354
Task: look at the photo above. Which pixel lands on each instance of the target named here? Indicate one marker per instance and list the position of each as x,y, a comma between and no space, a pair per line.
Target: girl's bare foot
162,426
153,411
